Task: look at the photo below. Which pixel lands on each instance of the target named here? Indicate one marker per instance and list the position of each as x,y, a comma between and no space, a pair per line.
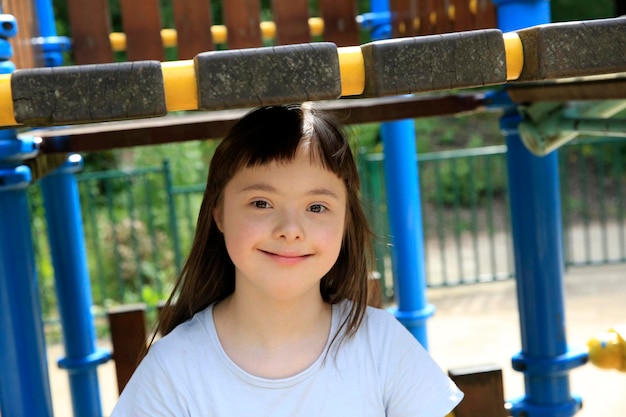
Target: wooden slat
242,19
403,18
90,25
340,24
291,18
193,23
142,25
25,55
128,337
425,8
486,16
463,19
442,23
484,392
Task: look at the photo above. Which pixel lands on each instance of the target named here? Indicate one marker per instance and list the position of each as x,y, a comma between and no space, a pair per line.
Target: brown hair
263,136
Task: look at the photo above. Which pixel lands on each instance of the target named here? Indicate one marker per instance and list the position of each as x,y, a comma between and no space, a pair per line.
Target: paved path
478,324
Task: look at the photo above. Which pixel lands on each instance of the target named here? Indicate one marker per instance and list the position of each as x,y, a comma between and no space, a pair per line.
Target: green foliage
570,10
466,181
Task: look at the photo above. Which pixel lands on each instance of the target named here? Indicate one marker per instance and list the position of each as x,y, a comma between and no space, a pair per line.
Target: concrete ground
476,325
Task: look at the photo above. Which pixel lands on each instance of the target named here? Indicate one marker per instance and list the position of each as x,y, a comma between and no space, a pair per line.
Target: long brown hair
263,136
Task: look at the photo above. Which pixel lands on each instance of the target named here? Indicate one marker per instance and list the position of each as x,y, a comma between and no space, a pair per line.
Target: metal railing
139,225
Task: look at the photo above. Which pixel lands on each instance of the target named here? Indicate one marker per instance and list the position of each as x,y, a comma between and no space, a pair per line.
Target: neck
272,340
273,322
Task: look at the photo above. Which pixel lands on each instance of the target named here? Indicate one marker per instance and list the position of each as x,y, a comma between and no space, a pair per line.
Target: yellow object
352,69
7,118
608,350
316,25
169,37
268,30
514,55
118,41
181,88
451,12
417,23
433,18
473,6
219,33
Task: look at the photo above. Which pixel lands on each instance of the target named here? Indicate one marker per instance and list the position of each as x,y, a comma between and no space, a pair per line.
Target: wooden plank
442,21
406,19
340,24
425,8
463,19
486,17
214,125
128,337
142,24
90,25
193,22
242,18
484,391
25,54
292,21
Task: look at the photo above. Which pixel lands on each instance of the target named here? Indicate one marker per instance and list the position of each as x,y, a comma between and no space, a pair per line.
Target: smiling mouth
286,257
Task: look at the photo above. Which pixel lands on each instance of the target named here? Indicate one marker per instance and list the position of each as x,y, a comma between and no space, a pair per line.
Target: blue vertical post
545,358
24,381
67,244
73,289
405,213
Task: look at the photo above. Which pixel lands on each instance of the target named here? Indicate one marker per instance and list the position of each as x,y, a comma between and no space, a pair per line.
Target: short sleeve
415,385
150,391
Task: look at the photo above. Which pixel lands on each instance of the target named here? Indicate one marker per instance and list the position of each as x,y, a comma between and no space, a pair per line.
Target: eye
317,208
262,204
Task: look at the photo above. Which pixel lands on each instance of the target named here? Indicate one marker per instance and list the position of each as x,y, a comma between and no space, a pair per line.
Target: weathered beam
214,125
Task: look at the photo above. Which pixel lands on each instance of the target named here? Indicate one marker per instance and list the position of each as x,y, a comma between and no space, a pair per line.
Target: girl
269,316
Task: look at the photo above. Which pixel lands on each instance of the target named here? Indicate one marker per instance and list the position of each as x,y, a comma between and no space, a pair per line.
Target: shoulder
382,328
412,383
163,382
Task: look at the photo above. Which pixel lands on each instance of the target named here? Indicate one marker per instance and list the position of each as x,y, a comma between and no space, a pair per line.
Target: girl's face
283,225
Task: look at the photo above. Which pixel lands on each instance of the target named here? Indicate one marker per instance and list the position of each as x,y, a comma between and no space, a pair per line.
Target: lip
286,258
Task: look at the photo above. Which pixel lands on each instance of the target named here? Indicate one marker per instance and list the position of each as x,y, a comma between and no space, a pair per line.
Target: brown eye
317,208
261,204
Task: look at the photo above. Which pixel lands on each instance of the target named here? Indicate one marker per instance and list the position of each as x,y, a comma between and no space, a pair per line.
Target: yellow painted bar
514,55
352,70
180,82
218,32
7,117
181,88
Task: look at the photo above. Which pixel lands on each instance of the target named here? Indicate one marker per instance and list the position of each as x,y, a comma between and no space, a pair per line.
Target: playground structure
529,59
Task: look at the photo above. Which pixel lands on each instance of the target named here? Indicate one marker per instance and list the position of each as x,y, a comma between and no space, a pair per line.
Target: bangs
276,134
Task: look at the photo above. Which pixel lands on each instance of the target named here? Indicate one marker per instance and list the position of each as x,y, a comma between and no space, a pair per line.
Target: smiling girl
269,316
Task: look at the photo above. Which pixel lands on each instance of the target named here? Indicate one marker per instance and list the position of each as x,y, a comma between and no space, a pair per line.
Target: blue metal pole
73,289
24,381
405,212
545,358
67,244
405,224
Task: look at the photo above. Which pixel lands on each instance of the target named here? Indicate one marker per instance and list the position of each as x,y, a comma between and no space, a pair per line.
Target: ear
217,216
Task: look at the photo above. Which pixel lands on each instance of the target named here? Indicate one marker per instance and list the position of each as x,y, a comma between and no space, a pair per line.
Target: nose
288,226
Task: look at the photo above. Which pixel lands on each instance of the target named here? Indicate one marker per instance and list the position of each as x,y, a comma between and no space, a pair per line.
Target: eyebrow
268,188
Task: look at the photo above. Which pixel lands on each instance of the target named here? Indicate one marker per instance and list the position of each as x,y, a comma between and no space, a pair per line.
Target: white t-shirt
381,371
